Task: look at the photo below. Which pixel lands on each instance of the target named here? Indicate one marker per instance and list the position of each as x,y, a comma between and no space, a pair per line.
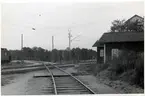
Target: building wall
99,58
132,46
135,18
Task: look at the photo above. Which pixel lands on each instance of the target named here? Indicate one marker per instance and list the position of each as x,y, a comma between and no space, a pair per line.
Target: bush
100,67
132,65
104,66
91,68
139,70
117,66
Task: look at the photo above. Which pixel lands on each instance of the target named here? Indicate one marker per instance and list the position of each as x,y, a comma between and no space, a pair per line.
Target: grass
129,67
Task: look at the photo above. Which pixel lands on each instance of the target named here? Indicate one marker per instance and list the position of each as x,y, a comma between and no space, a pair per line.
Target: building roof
113,37
98,44
3,49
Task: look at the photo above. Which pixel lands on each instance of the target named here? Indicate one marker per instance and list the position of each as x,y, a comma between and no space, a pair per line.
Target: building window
5,53
101,53
115,53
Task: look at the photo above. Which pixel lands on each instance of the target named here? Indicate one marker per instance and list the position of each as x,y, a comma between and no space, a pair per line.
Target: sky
87,19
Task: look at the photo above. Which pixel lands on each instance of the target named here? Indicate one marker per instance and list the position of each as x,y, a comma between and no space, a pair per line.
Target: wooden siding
127,46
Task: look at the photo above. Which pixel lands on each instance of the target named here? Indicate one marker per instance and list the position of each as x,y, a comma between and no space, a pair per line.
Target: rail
76,79
54,84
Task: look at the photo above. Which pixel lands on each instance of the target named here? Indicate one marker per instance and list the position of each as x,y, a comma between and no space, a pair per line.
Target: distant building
5,55
135,18
112,43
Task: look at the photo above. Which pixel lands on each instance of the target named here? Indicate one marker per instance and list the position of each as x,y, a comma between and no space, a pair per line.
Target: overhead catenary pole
69,36
21,42
22,48
70,41
52,42
52,55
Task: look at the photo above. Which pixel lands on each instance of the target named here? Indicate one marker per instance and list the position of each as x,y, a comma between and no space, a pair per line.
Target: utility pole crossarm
75,38
70,36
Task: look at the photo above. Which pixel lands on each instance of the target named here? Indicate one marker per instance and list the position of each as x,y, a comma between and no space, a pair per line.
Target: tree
118,26
38,53
55,55
135,26
124,26
66,55
27,53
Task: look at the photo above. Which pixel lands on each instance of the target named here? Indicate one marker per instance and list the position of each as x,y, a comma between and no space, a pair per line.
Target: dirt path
18,85
25,84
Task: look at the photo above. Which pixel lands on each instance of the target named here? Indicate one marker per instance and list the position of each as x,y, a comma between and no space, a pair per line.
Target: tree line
38,53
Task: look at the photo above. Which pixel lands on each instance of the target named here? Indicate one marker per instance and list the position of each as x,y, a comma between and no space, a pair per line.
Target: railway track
66,83
24,69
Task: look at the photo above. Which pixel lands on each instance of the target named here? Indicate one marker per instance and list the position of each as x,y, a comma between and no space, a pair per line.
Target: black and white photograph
66,47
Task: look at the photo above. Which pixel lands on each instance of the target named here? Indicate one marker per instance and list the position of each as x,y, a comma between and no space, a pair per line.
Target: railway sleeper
67,86
73,91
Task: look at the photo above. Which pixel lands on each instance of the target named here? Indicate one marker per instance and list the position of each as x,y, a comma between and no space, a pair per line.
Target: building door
114,53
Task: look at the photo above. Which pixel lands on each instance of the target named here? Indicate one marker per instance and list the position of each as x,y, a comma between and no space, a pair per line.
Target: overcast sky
90,20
